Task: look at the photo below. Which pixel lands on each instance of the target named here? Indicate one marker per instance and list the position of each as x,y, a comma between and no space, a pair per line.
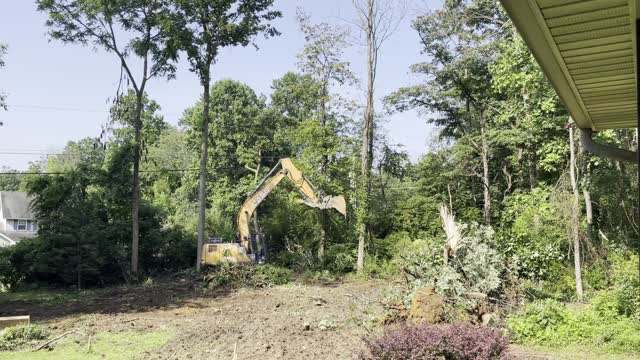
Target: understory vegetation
480,230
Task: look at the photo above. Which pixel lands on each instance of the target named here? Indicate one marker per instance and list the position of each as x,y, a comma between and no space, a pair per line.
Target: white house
16,218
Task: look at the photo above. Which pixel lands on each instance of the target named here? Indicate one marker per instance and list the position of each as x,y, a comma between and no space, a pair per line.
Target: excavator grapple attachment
328,202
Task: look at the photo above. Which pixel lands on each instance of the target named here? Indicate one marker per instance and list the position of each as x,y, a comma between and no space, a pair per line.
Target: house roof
5,240
15,205
587,49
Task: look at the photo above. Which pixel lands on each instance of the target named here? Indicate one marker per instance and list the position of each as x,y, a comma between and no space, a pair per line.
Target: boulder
427,306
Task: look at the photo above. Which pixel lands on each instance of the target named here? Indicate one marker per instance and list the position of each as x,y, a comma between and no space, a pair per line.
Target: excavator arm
310,196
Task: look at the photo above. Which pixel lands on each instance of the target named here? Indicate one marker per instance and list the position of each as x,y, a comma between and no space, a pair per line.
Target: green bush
378,268
17,337
274,275
532,234
340,258
550,323
539,321
236,276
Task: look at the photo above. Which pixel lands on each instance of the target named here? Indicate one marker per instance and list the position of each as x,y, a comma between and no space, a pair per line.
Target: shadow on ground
169,293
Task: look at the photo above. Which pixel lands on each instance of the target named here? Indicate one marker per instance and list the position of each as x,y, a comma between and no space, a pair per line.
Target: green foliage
533,235
236,276
9,182
104,346
17,337
476,268
274,275
551,323
3,97
203,28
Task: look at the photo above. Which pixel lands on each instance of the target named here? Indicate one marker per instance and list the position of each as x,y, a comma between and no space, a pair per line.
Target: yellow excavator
250,248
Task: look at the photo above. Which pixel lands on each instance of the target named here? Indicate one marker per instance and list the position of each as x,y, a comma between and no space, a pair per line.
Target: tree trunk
324,168
486,182
586,185
202,193
367,134
135,226
575,215
323,235
533,169
589,210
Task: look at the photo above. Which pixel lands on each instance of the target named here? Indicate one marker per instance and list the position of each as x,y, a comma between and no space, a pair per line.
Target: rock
307,327
318,301
427,306
326,325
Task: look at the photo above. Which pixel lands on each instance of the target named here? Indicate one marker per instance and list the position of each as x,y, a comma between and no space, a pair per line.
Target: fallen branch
53,340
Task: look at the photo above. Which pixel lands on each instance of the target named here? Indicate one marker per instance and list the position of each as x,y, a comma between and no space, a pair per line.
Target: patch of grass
318,277
18,337
103,346
566,353
592,327
46,296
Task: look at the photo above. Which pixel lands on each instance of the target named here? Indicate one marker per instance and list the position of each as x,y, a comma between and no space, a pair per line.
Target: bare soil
284,322
293,321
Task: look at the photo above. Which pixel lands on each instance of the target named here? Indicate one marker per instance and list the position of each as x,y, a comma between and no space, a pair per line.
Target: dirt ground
293,321
285,322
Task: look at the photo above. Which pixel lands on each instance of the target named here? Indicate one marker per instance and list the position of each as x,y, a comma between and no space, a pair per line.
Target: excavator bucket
338,203
328,202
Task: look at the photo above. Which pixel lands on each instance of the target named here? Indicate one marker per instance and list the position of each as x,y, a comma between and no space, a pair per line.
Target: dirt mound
427,306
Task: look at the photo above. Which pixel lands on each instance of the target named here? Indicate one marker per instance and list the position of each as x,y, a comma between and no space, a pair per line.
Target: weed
18,337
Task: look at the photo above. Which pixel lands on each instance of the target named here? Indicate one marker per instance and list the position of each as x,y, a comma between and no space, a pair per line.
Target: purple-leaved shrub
438,342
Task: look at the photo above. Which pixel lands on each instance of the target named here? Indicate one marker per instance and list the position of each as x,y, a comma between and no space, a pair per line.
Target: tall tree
575,210
3,97
460,40
122,28
208,26
377,20
530,119
321,59
10,179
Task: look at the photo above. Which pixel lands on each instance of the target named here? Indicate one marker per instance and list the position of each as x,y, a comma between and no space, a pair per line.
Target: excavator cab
216,252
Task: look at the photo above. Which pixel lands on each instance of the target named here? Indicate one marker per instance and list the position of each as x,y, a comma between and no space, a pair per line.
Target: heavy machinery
249,248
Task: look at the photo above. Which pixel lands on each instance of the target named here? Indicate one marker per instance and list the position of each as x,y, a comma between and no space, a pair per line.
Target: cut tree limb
53,340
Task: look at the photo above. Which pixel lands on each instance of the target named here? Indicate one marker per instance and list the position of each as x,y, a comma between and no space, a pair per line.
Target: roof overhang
588,51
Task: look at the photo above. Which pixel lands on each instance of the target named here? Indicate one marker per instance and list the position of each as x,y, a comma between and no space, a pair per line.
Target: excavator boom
310,196
213,254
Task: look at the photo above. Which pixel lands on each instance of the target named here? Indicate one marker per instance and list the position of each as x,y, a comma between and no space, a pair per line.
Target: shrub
532,234
246,276
476,268
340,258
598,325
20,336
458,341
538,321
274,275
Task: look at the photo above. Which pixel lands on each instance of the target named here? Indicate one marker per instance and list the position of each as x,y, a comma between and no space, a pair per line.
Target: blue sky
57,93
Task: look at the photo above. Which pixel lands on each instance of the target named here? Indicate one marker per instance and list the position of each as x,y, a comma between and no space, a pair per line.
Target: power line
29,153
71,109
65,173
56,108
